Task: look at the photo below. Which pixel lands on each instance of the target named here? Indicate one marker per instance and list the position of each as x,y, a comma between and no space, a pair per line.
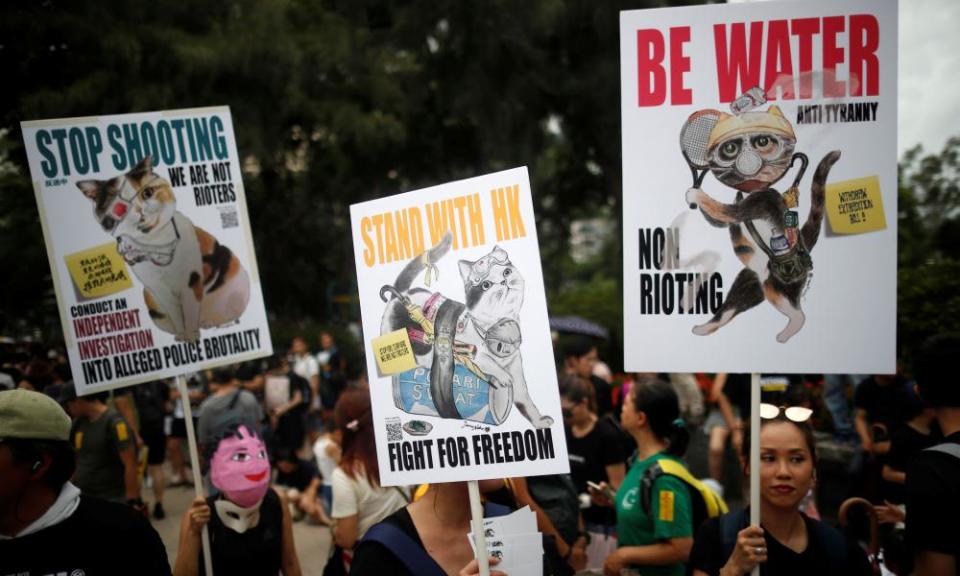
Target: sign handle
476,511
195,465
755,455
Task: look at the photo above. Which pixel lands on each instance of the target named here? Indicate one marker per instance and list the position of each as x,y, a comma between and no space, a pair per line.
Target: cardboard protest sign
146,228
462,377
760,187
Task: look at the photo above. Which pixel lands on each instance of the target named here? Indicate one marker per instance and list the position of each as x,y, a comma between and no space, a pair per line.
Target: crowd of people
291,439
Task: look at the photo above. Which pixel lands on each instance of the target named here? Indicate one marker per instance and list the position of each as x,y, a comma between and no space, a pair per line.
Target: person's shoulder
931,463
709,530
211,400
112,519
829,539
822,529
606,428
374,557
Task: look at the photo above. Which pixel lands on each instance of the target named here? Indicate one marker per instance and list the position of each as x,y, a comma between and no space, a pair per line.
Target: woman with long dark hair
655,541
788,542
359,501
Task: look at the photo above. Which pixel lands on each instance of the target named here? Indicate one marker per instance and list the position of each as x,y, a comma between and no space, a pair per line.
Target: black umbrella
578,325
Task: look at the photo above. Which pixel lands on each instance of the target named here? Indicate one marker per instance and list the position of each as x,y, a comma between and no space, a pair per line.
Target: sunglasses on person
793,413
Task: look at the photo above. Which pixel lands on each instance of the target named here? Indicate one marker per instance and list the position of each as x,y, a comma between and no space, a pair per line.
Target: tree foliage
928,287
336,102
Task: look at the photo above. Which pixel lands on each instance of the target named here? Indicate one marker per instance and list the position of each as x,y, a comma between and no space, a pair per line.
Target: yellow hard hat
772,120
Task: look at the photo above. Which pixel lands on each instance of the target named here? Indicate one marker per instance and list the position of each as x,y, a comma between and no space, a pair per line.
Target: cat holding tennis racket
749,151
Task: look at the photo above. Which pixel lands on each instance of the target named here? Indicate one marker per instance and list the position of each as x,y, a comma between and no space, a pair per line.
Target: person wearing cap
46,525
105,447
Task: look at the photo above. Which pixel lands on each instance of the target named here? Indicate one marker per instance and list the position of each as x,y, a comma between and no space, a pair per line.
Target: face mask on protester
236,517
240,468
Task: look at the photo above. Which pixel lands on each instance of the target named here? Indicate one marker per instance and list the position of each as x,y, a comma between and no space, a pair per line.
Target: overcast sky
929,73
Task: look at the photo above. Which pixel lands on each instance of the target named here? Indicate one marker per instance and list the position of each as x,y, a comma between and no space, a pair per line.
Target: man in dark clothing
286,405
579,358
105,447
152,399
46,525
933,477
882,408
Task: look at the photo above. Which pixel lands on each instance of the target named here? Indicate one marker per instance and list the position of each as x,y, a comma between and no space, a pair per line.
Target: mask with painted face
240,468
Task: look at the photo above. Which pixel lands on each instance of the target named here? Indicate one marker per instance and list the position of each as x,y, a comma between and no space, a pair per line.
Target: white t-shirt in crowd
306,367
370,503
325,463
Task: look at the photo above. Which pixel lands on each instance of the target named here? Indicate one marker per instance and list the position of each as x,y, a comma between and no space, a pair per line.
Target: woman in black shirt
593,446
789,542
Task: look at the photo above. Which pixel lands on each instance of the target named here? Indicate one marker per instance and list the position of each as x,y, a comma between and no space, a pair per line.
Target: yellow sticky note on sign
855,206
394,353
99,271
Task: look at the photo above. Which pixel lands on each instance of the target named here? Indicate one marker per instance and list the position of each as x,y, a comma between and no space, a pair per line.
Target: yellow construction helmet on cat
770,121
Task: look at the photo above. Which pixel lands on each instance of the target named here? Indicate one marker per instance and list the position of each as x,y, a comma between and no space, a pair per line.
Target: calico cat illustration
191,281
483,333
750,152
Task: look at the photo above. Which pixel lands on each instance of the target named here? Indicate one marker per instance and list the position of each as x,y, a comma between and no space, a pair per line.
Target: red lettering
779,69
651,77
864,41
804,29
736,72
832,55
679,63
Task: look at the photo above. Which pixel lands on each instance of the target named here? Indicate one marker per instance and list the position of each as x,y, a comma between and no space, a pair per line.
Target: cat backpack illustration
190,280
469,364
750,151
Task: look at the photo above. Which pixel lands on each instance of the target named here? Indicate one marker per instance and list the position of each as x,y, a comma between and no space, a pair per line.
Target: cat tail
425,260
811,228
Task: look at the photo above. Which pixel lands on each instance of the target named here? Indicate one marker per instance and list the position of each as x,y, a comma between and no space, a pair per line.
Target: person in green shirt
657,543
106,454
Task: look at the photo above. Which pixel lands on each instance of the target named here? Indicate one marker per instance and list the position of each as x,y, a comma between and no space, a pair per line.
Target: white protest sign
760,187
146,228
462,377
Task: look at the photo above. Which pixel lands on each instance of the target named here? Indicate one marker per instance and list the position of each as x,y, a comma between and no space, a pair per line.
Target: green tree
928,287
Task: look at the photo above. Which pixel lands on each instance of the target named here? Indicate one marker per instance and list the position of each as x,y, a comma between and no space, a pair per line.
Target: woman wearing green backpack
654,540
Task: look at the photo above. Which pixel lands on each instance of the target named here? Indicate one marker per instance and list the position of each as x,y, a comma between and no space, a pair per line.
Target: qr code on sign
228,217
394,430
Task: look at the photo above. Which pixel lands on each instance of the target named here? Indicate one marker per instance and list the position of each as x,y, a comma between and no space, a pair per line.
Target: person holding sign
250,527
433,530
656,540
789,542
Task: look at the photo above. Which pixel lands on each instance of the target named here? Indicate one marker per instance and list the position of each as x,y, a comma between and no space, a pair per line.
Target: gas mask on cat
240,468
751,151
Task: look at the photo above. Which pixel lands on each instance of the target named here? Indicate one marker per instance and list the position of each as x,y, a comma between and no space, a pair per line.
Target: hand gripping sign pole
476,512
755,455
195,464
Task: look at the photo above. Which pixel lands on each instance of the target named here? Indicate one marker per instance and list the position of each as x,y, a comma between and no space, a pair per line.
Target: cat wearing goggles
483,333
750,152
190,280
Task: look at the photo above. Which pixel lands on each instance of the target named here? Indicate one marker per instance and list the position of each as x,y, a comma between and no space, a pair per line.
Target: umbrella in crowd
578,325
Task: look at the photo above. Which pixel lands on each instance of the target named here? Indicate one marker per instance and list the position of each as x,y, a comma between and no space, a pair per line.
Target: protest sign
462,377
146,228
760,187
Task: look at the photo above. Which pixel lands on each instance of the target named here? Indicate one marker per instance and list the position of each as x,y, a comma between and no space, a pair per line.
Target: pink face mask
240,468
